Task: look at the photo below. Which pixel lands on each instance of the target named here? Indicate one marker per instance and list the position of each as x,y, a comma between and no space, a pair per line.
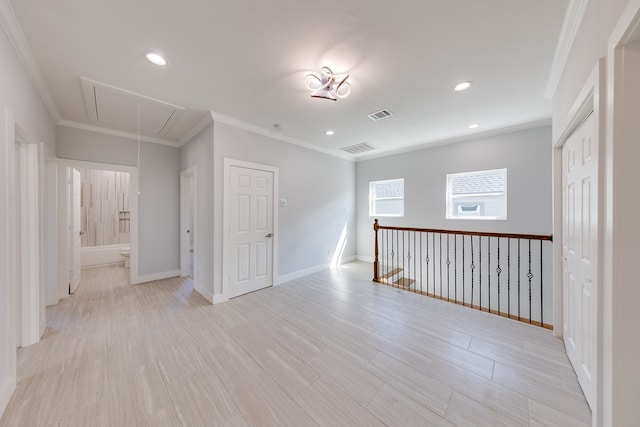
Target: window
386,198
477,195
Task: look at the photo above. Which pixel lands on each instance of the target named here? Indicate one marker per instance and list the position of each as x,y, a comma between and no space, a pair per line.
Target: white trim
12,28
301,273
204,292
572,20
219,298
471,137
63,209
228,164
618,270
30,246
185,208
8,304
590,100
6,391
157,276
271,134
205,121
115,132
365,258
311,270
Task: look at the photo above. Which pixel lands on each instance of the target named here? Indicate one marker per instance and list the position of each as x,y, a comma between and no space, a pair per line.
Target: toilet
126,254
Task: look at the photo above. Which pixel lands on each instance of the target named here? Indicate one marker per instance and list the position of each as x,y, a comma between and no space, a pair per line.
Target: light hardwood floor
328,349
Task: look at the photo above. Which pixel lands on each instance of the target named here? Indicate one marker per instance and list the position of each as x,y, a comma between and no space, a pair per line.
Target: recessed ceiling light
474,125
329,132
463,86
154,58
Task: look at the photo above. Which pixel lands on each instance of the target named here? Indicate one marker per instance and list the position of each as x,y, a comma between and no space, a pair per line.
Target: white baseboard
157,276
6,392
300,273
217,299
365,258
204,292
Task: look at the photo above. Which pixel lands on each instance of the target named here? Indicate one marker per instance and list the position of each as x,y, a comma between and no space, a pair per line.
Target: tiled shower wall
105,211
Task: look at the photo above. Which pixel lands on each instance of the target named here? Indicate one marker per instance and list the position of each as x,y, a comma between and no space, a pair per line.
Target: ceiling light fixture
474,125
327,85
329,132
156,59
462,86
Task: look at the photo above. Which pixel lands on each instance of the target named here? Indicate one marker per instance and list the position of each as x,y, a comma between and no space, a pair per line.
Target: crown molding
473,137
572,20
275,135
16,37
115,132
197,128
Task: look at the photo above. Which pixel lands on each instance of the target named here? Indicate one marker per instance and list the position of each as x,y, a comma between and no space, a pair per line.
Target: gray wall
158,202
18,94
320,193
525,154
199,152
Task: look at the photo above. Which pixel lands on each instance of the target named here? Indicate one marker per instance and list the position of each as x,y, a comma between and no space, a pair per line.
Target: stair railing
499,273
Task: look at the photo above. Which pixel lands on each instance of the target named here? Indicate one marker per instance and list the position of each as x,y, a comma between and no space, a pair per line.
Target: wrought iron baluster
541,283
519,274
402,277
448,270
480,271
498,270
455,266
427,261
414,262
473,267
440,264
421,277
433,254
509,277
530,276
463,270
489,270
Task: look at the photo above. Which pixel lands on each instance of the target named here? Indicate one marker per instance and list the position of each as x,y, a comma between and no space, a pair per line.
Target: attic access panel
114,107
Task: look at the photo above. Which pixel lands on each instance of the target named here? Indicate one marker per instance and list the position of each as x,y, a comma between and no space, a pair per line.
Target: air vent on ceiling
381,114
359,148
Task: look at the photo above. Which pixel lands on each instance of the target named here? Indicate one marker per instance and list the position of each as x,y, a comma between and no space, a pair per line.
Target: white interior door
251,195
75,231
580,229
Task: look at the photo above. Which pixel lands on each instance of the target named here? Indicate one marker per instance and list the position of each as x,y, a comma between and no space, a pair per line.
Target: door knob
269,235
82,233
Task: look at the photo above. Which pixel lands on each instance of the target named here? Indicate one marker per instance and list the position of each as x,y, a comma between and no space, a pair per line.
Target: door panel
250,229
580,222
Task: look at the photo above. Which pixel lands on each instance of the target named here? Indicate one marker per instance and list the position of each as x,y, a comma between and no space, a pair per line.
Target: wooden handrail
548,237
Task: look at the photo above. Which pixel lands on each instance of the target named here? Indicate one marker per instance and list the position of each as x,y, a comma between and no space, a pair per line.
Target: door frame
226,235
31,265
591,100
621,345
63,218
188,206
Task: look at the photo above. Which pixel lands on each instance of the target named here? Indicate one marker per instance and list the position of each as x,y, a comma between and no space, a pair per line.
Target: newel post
376,278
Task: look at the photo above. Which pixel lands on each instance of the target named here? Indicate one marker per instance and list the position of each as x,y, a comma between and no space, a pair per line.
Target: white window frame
474,198
373,199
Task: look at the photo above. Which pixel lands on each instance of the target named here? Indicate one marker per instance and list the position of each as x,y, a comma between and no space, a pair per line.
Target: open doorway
188,222
98,215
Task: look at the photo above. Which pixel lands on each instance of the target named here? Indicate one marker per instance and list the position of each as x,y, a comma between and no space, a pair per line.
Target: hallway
327,349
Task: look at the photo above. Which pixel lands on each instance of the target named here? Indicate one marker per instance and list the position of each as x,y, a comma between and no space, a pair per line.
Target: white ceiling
247,59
